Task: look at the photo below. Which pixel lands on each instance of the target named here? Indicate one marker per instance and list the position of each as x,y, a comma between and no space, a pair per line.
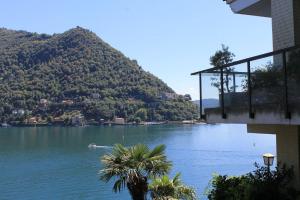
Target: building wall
285,23
119,120
297,21
282,23
287,145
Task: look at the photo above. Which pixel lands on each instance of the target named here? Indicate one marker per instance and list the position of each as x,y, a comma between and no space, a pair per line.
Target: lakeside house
78,120
119,121
168,96
43,103
19,112
32,120
187,97
67,102
96,96
58,121
262,91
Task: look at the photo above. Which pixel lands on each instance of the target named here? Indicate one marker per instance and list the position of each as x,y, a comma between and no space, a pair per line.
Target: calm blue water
55,163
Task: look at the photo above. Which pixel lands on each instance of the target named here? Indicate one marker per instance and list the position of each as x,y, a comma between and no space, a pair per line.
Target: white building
78,120
43,101
119,121
96,96
266,105
19,112
168,96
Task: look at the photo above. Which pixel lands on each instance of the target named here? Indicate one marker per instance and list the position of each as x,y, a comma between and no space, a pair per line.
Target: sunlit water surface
55,162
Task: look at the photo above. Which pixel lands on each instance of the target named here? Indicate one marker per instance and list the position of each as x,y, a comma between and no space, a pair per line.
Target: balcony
264,89
251,7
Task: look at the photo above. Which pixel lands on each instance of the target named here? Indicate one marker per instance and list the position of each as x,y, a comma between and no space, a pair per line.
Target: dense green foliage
260,184
164,188
77,65
132,168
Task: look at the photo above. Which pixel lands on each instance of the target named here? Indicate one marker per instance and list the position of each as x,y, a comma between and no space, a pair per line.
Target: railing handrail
282,52
265,55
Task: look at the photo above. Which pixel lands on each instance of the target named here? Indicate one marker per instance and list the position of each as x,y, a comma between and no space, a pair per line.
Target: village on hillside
68,114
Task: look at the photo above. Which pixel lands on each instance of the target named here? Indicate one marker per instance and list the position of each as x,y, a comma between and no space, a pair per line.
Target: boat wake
94,146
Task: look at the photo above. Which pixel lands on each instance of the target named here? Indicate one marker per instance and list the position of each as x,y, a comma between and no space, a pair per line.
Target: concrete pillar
287,144
288,149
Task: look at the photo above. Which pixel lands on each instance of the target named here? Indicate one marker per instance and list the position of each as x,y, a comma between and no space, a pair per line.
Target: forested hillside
48,75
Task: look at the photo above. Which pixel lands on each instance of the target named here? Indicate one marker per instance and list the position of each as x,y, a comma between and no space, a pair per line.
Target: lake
55,162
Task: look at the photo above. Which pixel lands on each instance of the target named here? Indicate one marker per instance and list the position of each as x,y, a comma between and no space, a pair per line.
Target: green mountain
78,66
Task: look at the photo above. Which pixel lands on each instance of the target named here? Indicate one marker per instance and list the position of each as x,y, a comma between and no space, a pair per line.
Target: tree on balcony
219,59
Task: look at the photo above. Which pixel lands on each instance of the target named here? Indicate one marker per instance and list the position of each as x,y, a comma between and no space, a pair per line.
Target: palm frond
119,184
158,150
133,165
166,188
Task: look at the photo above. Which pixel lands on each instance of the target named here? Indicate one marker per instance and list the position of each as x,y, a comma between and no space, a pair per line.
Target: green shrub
259,184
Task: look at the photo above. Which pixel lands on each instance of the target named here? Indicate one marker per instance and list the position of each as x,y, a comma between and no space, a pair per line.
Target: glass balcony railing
265,83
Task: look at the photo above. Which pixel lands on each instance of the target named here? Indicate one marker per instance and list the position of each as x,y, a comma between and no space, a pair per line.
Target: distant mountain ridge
77,65
208,103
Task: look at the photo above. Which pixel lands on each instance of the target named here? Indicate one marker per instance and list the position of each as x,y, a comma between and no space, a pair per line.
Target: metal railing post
286,98
234,84
200,92
222,94
251,114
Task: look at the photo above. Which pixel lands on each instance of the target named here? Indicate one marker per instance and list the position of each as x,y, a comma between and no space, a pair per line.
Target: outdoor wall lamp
268,159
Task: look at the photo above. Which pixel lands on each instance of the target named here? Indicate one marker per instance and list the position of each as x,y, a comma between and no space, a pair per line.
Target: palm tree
165,188
133,167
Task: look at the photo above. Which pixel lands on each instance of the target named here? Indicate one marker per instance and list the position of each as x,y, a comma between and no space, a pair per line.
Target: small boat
188,122
93,146
5,125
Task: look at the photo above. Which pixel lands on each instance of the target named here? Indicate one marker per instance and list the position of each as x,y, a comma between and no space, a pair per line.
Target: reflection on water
56,163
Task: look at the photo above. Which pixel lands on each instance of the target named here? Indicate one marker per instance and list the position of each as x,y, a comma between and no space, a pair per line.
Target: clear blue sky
169,38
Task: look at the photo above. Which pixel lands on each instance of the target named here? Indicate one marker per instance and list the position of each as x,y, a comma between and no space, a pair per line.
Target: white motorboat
5,125
93,146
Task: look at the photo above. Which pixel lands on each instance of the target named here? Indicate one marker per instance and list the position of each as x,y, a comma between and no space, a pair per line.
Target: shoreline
105,124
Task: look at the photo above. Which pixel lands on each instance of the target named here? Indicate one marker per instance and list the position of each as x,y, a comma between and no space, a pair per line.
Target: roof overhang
251,7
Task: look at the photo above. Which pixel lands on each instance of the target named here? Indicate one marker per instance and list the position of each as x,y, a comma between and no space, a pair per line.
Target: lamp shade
268,159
